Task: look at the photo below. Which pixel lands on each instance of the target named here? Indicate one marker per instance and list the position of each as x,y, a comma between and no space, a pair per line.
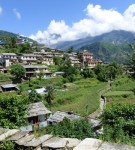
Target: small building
37,115
9,88
60,115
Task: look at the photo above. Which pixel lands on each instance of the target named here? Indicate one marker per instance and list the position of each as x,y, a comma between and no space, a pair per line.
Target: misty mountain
108,47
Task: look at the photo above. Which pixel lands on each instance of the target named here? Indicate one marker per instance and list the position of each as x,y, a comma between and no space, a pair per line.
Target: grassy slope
122,90
82,93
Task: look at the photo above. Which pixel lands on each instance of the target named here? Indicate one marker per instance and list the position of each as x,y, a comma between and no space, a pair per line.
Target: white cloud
17,13
97,21
1,10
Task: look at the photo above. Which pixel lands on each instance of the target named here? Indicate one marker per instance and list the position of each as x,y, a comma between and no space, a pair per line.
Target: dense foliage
108,72
79,129
12,111
119,123
18,71
34,97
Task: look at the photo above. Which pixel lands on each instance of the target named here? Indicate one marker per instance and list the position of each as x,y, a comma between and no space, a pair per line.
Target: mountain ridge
109,46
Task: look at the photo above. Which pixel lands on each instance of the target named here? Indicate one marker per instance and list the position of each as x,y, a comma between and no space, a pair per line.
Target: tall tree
18,71
34,97
49,97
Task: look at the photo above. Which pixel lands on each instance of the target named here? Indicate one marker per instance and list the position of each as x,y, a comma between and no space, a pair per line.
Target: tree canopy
18,71
12,111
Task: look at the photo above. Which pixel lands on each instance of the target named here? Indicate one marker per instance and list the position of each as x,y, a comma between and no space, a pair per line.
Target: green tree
12,111
119,123
49,97
18,71
57,60
88,73
41,74
34,97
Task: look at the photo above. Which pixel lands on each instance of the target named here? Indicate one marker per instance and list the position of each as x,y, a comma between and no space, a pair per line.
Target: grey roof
32,66
5,86
60,115
13,54
28,55
36,109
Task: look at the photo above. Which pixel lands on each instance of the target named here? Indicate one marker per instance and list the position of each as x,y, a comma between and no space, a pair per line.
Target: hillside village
58,91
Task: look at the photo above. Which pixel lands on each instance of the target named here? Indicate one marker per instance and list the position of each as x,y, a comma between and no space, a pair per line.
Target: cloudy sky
52,21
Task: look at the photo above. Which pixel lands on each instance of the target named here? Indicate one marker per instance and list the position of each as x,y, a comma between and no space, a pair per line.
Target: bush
79,129
119,123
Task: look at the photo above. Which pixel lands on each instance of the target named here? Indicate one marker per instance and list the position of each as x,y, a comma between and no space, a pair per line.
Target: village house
34,70
84,56
36,116
27,59
7,59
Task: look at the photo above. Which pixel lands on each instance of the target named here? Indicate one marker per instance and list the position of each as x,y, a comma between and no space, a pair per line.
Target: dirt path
99,111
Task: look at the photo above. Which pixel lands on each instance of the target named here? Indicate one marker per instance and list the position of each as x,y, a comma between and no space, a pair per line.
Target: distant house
8,59
60,115
36,115
9,88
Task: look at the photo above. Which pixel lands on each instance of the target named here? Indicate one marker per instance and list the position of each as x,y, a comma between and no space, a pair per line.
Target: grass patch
122,91
118,93
84,93
5,78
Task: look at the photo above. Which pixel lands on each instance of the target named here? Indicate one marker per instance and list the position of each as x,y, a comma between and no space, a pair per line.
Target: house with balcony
27,59
7,59
74,61
35,70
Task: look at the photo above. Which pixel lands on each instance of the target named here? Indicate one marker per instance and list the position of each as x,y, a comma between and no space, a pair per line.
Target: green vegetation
49,97
79,129
119,123
122,90
5,77
81,97
12,111
18,71
34,97
108,72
